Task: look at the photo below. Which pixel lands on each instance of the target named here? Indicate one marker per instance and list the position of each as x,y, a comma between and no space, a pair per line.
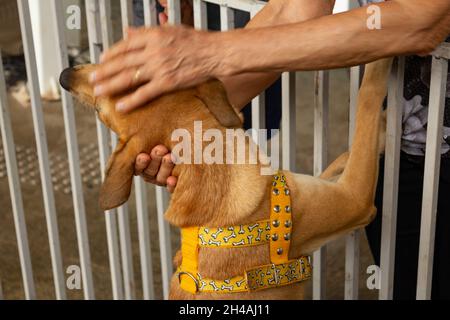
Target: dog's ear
116,188
215,98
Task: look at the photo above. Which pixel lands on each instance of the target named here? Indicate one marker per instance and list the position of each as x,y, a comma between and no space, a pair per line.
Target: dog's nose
64,78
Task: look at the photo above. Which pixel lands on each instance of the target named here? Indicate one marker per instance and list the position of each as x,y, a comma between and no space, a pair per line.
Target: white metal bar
45,48
352,265
15,191
174,12
126,251
164,240
243,5
321,106
443,51
150,13
258,115
106,24
226,18
438,87
144,238
126,9
141,197
352,240
355,82
200,18
391,177
113,252
74,160
94,30
95,11
42,148
288,121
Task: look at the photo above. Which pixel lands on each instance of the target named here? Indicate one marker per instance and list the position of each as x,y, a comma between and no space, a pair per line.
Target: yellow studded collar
276,231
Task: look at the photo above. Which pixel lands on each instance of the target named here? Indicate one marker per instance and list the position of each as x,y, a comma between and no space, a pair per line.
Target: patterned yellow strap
277,231
235,236
277,275
260,278
281,219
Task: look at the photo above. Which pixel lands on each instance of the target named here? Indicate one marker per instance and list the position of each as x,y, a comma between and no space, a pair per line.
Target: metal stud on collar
276,208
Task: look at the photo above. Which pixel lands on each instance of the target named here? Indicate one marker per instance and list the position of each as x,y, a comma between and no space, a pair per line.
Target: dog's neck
218,194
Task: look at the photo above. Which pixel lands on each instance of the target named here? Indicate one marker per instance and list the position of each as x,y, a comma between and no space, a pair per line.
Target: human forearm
241,88
408,27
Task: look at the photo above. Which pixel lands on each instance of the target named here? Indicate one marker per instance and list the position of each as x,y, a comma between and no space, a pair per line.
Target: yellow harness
277,231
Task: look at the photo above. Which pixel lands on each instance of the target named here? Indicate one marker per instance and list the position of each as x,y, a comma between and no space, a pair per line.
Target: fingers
171,183
114,66
165,171
152,169
142,162
119,83
144,94
157,167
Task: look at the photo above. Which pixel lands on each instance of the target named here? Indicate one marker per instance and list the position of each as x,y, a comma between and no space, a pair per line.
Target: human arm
408,27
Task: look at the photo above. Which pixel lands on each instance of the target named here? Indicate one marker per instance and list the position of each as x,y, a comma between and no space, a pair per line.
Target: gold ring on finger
137,76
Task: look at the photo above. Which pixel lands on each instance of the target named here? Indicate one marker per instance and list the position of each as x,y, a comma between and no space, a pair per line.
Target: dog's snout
64,78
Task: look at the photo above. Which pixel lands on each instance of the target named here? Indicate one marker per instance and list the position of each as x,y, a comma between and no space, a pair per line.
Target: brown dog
215,195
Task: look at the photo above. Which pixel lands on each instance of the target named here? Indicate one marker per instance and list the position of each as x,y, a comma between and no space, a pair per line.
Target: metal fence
98,14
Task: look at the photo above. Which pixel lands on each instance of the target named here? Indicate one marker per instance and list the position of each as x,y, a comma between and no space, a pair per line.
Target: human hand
157,61
156,167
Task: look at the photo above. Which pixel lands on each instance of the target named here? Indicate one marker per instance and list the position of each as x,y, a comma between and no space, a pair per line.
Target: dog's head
142,129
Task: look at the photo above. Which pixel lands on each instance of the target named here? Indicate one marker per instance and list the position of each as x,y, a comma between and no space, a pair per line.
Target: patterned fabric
415,104
276,275
235,236
260,278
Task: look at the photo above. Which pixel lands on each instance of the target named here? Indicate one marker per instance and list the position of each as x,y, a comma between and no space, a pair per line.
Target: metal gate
117,221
